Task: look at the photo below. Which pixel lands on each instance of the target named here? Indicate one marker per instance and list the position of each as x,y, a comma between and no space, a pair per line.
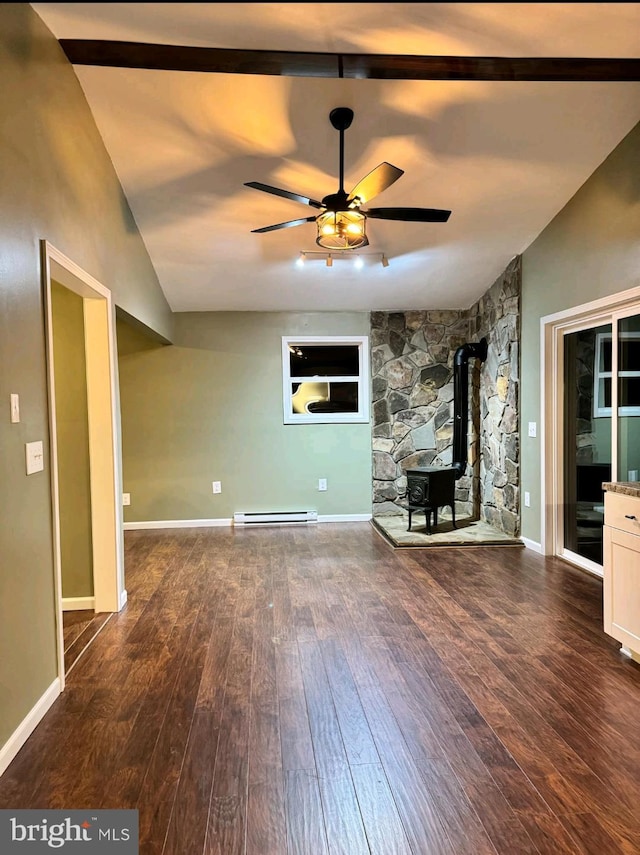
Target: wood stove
433,487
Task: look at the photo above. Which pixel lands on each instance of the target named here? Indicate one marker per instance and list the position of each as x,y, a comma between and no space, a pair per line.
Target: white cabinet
622,569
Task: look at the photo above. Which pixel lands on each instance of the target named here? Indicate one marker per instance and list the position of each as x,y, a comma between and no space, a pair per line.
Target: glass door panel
588,373
629,398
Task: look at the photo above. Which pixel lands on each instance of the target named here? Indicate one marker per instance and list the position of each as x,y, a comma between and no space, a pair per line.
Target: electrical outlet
126,498
34,453
527,499
217,486
533,429
322,484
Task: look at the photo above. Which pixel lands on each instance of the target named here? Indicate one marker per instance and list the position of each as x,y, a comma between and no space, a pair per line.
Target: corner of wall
497,317
412,391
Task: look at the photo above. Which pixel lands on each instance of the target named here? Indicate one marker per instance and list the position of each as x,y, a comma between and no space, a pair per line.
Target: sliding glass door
587,438
600,429
628,403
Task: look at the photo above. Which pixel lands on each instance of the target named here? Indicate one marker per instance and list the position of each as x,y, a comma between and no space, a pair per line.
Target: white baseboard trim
77,604
123,598
153,524
630,654
532,544
149,524
26,727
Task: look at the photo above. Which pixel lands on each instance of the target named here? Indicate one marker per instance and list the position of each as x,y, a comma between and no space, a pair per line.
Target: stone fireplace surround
412,392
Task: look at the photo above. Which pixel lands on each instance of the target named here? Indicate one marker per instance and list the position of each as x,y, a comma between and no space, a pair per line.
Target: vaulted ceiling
504,156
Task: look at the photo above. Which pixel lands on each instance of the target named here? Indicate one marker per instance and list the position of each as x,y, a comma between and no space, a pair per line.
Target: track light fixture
358,259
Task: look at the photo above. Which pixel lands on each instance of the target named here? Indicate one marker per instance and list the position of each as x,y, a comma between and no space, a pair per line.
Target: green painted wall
72,433
590,250
210,408
58,184
132,339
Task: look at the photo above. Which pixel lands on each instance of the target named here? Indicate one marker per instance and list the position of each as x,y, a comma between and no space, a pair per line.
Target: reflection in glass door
587,452
628,389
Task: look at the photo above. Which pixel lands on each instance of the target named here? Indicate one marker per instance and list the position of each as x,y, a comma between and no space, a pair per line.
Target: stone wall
496,316
412,384
412,387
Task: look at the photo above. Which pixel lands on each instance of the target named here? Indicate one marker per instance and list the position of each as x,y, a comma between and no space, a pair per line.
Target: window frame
599,410
362,416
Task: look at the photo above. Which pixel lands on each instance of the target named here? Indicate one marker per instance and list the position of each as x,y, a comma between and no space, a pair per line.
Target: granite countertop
627,488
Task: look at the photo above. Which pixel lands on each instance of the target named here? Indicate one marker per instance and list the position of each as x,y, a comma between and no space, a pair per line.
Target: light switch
15,409
35,457
533,429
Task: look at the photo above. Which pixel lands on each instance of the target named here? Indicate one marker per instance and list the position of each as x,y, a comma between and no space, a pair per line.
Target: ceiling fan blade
286,194
286,225
375,182
409,215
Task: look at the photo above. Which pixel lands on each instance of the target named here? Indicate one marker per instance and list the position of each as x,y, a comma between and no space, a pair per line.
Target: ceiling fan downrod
341,118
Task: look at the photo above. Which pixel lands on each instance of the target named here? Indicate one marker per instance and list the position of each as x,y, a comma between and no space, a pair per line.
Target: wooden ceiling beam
116,54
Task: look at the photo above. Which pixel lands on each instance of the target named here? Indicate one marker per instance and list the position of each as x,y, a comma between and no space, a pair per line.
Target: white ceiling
504,157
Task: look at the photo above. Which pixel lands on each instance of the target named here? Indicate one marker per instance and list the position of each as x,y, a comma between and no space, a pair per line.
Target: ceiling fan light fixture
338,230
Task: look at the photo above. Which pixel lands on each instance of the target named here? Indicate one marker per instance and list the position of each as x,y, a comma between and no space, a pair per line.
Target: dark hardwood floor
310,690
79,630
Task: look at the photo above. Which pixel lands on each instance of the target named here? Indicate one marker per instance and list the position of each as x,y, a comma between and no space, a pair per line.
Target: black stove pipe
476,350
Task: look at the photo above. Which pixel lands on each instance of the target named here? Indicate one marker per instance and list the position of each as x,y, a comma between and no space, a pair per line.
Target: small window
325,379
628,374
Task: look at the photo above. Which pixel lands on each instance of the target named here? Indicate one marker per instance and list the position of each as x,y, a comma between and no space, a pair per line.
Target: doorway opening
85,472
591,400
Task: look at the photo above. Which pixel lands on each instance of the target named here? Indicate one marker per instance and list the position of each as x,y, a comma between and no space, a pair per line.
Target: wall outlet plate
217,486
533,429
34,453
126,498
322,484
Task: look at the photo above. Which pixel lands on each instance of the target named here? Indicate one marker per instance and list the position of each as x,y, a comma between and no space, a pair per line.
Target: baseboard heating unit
274,518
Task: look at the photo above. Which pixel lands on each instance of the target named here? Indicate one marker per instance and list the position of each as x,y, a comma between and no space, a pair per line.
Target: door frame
553,328
104,450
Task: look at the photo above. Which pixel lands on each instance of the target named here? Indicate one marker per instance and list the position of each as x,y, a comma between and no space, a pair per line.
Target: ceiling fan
342,221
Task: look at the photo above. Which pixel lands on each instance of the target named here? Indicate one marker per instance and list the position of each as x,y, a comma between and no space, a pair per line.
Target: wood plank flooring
79,630
310,691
